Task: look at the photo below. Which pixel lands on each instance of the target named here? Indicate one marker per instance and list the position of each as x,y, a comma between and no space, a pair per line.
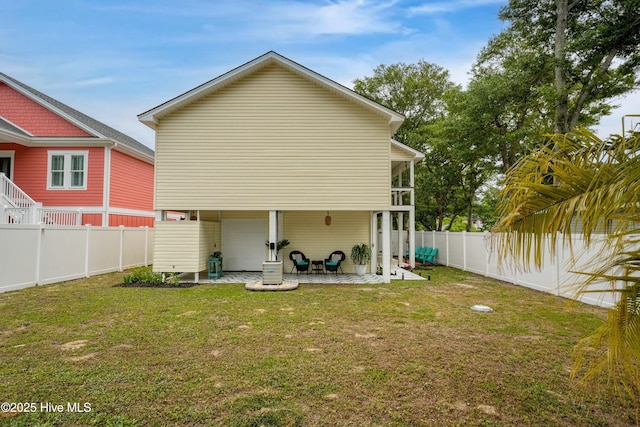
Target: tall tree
593,46
505,103
415,90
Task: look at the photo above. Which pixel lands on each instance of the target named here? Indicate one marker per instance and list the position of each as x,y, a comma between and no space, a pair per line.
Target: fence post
464,250
446,239
79,218
86,252
487,256
39,252
121,247
146,245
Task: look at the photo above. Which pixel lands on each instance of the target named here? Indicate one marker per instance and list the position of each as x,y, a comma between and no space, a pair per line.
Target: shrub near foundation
147,276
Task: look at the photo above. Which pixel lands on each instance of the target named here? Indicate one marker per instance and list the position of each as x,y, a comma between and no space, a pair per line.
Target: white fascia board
149,117
8,136
417,155
52,108
69,142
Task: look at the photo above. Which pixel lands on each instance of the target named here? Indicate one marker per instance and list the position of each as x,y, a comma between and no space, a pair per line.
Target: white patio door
243,244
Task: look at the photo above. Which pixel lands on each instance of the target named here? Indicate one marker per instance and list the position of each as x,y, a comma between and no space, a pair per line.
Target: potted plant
280,245
361,256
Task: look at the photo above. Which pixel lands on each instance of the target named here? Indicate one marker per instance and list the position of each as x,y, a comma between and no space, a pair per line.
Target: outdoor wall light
327,219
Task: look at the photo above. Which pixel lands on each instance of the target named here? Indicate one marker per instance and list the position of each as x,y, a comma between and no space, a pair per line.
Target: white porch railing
398,193
60,216
16,207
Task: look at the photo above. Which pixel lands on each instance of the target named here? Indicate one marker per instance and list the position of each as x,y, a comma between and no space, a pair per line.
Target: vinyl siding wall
398,154
176,246
131,183
183,245
272,141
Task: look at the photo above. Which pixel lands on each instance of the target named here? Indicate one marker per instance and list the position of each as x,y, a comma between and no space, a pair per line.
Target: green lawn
403,354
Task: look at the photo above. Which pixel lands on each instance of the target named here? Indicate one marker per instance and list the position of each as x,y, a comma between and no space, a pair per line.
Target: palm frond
581,184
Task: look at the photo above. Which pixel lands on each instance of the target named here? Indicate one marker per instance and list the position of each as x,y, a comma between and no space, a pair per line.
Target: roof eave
417,155
14,137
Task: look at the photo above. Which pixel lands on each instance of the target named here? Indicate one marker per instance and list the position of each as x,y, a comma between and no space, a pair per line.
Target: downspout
106,185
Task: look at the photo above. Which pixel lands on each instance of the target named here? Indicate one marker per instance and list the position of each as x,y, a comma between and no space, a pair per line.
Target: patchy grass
404,354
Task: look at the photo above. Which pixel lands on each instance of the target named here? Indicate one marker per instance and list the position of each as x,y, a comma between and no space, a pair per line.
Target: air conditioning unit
272,272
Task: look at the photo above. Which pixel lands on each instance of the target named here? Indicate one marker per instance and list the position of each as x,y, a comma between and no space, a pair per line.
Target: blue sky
114,59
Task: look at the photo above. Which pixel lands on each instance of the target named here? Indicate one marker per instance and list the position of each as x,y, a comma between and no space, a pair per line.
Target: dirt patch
18,329
366,336
187,314
465,286
487,409
459,406
81,358
74,345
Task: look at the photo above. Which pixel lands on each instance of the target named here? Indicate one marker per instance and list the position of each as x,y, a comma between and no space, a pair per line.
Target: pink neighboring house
67,160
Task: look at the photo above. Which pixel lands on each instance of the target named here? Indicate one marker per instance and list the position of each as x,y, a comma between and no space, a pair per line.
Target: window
67,170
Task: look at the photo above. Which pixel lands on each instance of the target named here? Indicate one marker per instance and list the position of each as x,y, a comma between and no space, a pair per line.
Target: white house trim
10,154
106,185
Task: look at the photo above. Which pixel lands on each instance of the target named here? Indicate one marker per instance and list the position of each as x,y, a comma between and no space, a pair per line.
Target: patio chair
431,258
300,262
333,262
423,254
416,252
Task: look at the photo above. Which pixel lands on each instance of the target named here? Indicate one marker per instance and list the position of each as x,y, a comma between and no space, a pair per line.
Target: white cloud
451,6
339,17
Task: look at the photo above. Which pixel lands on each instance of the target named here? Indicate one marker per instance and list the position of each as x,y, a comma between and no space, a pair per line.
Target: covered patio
329,278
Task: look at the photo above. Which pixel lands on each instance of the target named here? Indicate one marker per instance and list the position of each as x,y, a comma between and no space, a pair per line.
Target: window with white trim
67,170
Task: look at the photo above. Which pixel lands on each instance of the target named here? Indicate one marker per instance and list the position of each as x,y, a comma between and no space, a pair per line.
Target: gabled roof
417,155
89,124
8,126
151,116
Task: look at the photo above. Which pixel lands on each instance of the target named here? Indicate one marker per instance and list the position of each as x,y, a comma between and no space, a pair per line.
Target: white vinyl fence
473,252
40,254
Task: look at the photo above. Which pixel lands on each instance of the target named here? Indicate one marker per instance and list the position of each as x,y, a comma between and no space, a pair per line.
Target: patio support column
386,247
273,234
412,237
374,242
400,238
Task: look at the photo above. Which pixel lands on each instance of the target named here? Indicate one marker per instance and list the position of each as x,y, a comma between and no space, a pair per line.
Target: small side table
214,268
317,267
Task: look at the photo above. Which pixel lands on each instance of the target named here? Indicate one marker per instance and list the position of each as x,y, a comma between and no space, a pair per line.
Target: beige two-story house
269,151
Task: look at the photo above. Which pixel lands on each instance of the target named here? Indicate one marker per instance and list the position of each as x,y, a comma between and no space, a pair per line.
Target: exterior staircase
16,207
